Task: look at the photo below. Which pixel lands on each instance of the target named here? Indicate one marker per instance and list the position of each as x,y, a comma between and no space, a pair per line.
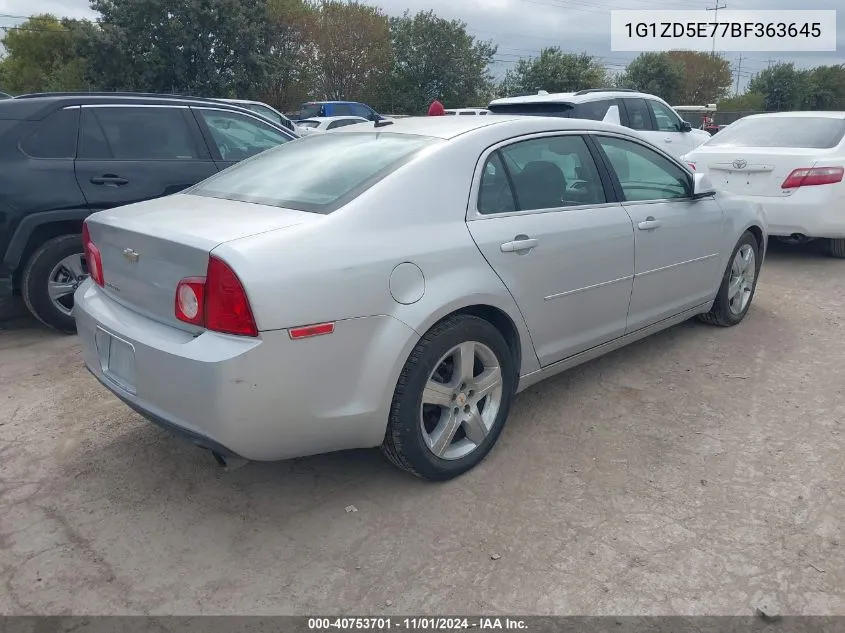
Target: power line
716,21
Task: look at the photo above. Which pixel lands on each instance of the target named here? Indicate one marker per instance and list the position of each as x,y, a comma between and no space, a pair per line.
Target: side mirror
702,187
686,126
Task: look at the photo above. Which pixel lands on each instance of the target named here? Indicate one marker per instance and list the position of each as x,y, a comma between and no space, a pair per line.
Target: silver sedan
396,285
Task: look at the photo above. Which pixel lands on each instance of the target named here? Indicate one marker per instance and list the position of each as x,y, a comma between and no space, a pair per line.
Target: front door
677,238
542,220
130,154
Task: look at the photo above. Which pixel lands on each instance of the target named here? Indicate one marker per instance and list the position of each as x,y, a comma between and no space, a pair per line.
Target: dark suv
65,156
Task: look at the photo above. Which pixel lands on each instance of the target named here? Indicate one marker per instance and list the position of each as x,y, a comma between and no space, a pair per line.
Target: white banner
732,31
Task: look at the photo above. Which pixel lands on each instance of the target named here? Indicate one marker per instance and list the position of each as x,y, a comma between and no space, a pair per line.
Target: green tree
435,58
782,86
290,76
44,54
207,47
825,88
707,78
555,71
352,50
748,102
655,73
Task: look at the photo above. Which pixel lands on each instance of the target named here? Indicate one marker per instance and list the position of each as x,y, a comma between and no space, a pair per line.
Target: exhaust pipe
228,463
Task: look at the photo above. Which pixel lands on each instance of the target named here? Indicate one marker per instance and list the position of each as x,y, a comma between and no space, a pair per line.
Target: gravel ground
696,472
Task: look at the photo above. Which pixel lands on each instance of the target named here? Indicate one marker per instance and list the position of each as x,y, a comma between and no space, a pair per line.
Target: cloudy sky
522,27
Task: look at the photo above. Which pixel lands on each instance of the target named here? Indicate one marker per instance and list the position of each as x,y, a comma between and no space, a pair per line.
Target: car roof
572,97
33,106
448,127
802,114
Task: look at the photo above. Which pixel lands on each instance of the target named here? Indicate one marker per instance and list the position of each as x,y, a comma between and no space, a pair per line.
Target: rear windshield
319,174
310,109
804,132
533,109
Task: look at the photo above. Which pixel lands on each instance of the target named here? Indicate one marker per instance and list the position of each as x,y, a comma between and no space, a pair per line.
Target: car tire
724,312
35,282
411,439
836,248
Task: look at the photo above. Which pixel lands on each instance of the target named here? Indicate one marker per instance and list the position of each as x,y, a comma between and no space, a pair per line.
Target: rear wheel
50,277
452,399
836,248
738,284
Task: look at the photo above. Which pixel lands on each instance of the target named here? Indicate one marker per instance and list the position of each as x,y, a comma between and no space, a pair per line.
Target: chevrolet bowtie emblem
130,255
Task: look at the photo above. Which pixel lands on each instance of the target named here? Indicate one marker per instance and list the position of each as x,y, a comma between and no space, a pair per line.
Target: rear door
234,136
546,221
678,239
132,153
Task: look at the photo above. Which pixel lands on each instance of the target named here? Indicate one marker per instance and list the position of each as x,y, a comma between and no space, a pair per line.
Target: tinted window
449,112
54,136
310,109
341,109
552,172
359,109
638,116
535,109
343,123
665,118
238,136
495,194
805,132
349,164
140,133
643,173
593,110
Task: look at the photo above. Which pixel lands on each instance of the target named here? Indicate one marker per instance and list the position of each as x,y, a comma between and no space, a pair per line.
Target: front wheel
452,399
738,284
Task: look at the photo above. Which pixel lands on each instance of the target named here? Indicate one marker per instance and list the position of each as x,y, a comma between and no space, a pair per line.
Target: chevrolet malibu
396,285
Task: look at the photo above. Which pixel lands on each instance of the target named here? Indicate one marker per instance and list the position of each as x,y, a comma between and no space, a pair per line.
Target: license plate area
117,359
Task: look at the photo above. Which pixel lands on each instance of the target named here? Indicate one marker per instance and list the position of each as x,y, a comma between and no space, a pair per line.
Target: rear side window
341,109
54,136
638,114
533,109
136,134
286,176
593,110
803,132
265,112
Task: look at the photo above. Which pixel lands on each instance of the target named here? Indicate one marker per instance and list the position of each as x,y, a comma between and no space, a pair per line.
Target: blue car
337,108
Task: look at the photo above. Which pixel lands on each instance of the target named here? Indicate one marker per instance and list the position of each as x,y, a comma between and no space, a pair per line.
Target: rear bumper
264,398
810,213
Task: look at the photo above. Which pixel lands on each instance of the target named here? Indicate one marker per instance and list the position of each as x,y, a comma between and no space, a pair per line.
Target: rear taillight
216,302
93,259
809,176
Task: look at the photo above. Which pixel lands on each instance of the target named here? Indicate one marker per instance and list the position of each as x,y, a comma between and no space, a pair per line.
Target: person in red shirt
436,109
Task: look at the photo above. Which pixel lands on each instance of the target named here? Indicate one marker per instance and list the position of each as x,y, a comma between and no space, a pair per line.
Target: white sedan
792,163
326,123
396,284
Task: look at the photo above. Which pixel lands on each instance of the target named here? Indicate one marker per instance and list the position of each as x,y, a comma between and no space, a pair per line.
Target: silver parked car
397,284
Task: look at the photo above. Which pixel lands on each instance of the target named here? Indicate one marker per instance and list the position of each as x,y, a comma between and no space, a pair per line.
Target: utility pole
716,8
738,69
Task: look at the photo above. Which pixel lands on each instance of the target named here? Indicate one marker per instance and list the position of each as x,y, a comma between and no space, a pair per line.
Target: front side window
136,133
552,172
309,110
638,114
643,173
359,109
237,136
54,136
320,174
266,112
665,118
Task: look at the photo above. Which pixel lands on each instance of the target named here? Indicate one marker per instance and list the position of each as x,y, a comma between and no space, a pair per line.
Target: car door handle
649,224
519,244
109,179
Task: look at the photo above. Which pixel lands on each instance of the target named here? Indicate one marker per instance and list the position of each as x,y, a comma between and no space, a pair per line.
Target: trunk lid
147,248
753,171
